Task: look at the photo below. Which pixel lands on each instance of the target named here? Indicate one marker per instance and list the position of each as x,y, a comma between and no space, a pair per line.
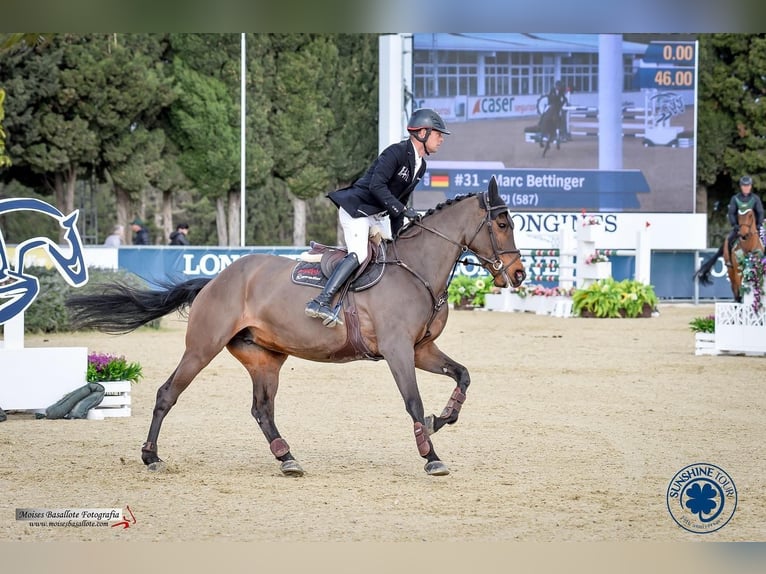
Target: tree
48,140
128,109
732,117
304,85
87,105
5,161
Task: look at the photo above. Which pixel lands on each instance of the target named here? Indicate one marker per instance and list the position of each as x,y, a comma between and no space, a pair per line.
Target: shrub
703,324
48,314
464,289
610,298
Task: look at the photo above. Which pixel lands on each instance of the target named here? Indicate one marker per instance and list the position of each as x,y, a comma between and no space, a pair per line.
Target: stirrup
332,317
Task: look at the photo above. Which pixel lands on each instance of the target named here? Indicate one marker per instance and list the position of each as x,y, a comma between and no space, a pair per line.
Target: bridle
494,265
749,226
491,264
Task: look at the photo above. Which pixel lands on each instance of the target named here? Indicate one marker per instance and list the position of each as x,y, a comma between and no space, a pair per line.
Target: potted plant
104,367
596,257
116,375
610,298
704,335
467,292
597,266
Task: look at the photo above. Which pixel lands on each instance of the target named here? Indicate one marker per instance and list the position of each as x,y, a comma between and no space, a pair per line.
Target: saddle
316,265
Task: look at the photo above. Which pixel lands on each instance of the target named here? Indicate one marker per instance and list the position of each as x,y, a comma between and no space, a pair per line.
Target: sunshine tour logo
702,498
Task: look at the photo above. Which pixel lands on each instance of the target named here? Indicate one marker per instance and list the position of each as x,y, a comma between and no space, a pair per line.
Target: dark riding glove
410,213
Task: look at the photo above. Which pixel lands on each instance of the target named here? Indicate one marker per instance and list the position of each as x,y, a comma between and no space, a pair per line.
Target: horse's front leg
402,365
263,367
430,358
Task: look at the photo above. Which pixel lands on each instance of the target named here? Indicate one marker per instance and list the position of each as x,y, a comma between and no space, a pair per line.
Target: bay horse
254,310
747,240
549,128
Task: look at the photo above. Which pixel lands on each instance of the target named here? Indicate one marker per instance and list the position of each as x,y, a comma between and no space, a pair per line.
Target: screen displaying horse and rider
616,110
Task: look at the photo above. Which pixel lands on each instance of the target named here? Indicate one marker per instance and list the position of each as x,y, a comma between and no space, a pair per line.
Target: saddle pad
315,274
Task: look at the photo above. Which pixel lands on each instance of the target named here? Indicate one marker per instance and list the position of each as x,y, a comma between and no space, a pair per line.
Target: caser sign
491,107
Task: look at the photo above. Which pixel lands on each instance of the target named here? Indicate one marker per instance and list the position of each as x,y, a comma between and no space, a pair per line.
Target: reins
496,263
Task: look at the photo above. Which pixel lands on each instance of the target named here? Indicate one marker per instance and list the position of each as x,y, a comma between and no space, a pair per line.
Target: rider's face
434,141
746,189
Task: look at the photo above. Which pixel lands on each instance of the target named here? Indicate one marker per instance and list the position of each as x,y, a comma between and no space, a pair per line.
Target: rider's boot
320,306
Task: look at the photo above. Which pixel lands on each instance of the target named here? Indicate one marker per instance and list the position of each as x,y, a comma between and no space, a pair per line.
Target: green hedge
48,314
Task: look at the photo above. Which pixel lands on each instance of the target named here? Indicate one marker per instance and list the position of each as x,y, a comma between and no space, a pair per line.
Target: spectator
140,233
115,238
180,235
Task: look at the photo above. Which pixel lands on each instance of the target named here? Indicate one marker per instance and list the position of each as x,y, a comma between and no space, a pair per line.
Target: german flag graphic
439,180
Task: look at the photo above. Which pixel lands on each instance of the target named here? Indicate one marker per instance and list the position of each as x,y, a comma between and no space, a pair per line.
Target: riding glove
410,213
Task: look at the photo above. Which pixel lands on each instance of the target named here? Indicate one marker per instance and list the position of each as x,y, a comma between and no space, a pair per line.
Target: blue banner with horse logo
18,289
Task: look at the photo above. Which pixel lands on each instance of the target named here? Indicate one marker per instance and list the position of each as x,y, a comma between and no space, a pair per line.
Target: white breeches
357,231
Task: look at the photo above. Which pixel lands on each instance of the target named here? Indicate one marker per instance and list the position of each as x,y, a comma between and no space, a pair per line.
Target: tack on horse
747,240
254,310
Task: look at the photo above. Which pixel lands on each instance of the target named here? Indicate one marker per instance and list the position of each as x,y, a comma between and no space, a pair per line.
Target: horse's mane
437,208
447,203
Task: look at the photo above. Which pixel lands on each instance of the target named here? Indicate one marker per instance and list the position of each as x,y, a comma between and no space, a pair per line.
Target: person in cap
140,233
379,198
741,201
180,235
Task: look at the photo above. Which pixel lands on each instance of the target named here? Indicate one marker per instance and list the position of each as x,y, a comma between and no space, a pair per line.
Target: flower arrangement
752,265
588,220
535,290
610,298
465,290
106,367
703,324
596,257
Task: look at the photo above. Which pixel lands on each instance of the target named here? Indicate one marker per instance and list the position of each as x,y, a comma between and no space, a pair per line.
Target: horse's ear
490,200
492,189
495,201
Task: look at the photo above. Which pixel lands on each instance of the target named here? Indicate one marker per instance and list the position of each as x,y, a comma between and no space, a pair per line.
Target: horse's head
749,240
494,244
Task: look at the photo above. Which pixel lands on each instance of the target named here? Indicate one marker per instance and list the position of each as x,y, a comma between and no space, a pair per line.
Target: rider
557,99
744,200
379,198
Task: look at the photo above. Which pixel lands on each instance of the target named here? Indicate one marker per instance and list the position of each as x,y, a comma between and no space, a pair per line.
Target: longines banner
671,273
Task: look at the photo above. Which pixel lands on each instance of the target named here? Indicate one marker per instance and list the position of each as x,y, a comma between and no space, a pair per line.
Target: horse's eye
502,224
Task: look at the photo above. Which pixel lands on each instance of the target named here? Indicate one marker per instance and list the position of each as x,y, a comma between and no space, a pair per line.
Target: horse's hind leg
167,395
263,366
430,358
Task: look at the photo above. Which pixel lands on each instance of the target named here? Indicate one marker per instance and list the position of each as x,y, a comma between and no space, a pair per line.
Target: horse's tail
707,266
119,308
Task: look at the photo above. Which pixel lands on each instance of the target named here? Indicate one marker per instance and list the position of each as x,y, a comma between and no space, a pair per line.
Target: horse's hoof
158,466
291,468
436,468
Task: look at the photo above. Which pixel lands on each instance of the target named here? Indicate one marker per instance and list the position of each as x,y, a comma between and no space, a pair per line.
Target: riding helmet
746,180
426,118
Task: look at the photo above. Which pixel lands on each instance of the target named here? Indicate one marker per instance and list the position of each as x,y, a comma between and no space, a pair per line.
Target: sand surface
572,431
